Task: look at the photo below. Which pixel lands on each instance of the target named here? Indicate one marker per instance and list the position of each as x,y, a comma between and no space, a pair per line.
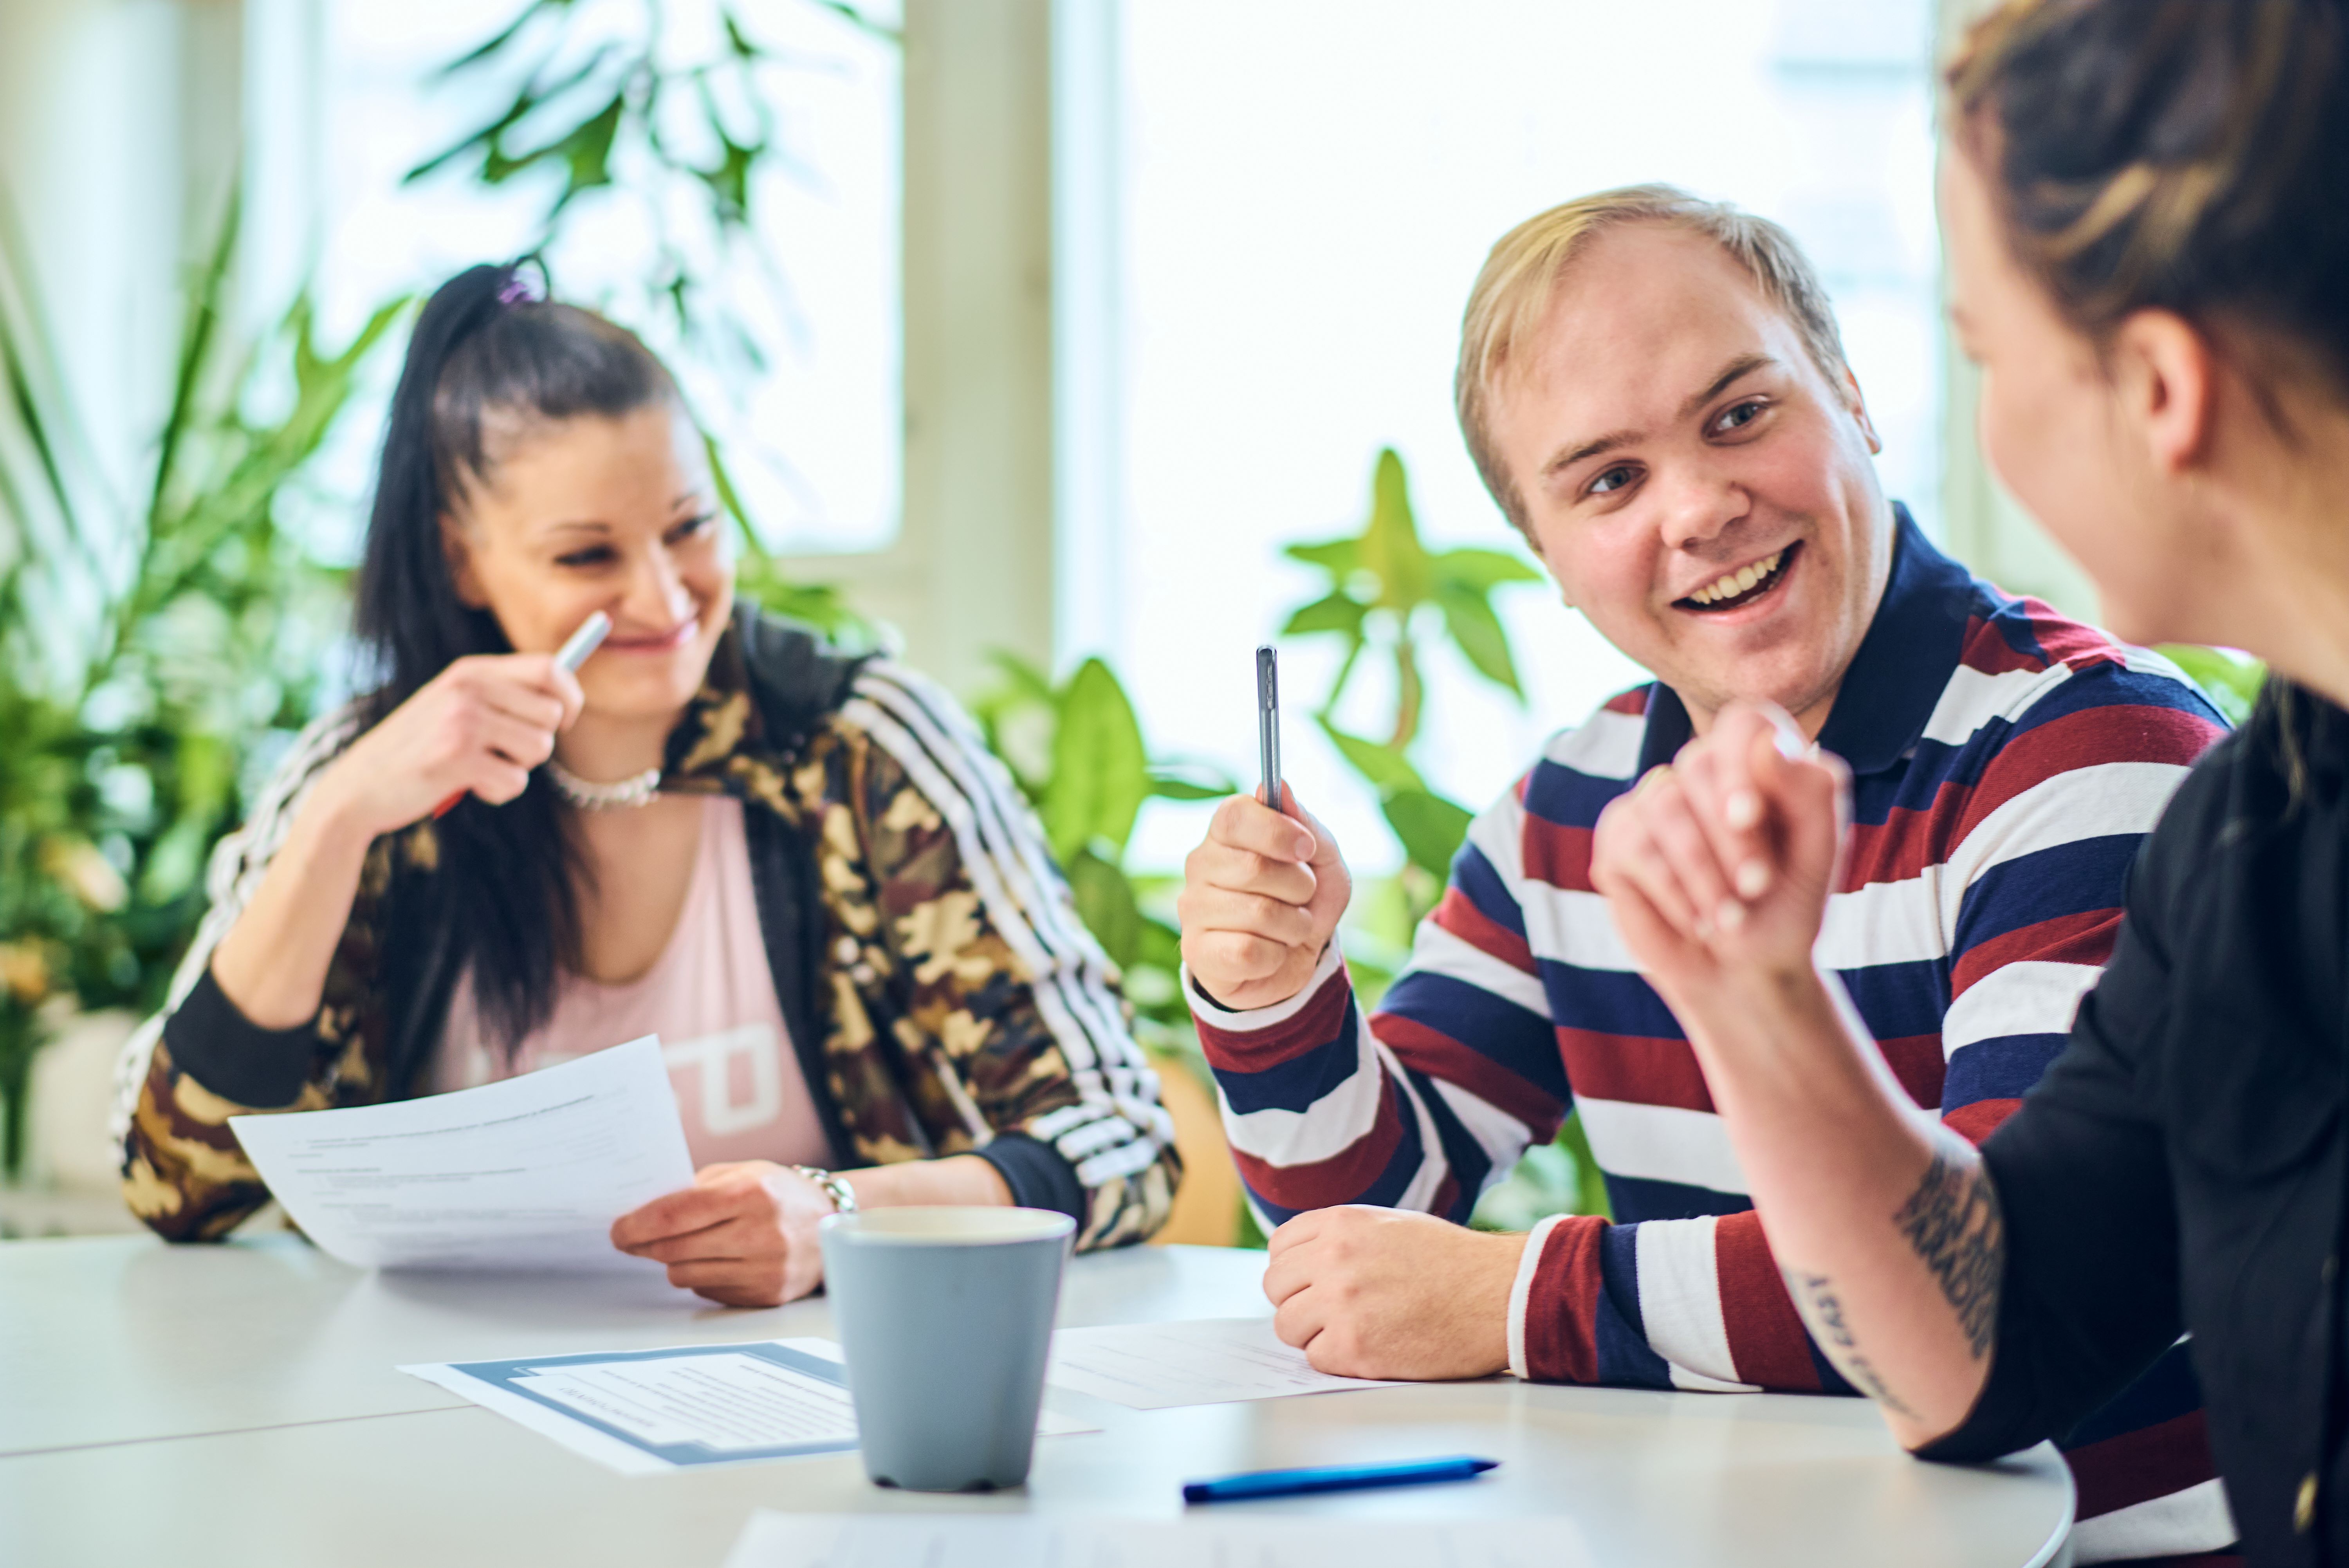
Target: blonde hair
1521,276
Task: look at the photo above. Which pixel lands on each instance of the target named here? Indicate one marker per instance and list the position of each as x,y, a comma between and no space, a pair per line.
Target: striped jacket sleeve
1016,996
183,1171
2007,876
1428,1101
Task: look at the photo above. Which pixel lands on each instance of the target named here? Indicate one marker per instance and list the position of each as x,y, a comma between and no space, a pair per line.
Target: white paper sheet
524,1174
1199,1540
1206,1361
651,1411
726,1404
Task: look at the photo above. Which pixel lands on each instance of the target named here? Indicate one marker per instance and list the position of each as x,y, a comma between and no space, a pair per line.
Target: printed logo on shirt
740,1073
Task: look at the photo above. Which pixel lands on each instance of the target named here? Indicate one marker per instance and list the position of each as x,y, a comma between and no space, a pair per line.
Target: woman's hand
481,725
743,1234
1718,867
1260,900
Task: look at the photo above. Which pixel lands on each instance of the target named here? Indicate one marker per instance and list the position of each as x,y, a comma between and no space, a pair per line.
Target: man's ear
458,550
1858,406
2164,371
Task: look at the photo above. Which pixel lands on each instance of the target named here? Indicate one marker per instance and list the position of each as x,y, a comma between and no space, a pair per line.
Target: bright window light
1309,189
812,432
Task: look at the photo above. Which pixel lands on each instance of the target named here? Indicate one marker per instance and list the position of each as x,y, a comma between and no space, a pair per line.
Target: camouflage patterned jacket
940,991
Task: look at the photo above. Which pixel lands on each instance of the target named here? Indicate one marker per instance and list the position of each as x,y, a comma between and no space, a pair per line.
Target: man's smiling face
1692,479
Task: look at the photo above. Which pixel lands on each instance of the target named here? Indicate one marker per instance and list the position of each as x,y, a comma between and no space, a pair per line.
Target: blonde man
1655,391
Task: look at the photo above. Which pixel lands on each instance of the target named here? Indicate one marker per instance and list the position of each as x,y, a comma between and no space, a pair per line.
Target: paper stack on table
524,1174
1207,1361
644,1412
1214,1541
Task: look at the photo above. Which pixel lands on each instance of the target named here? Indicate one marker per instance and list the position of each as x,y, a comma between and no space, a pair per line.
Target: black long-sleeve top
2181,1164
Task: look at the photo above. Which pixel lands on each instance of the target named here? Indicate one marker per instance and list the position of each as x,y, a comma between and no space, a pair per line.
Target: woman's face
615,514
2053,424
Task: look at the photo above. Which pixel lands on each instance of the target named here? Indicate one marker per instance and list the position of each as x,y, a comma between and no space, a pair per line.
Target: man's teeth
1737,582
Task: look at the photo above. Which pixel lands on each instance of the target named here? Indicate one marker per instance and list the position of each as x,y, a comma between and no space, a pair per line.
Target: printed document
524,1174
1208,1361
643,1412
1202,1538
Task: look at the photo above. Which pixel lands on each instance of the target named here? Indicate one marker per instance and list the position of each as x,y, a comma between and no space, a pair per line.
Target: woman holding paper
2146,210
803,871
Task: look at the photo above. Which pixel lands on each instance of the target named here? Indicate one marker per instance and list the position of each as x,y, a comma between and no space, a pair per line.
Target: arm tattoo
1952,1220
1824,1313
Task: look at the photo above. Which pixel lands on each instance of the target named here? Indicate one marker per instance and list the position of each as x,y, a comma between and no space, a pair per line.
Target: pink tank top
710,996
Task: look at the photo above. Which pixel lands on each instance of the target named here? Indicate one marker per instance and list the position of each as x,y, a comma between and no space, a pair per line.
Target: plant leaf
1024,679
1469,616
1483,570
1167,782
2232,684
1390,546
1101,774
586,153
499,40
1387,769
1590,1181
1432,828
855,17
1342,558
1105,903
1335,613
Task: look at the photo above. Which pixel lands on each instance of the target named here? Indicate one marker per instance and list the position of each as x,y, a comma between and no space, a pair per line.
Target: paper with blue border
777,1384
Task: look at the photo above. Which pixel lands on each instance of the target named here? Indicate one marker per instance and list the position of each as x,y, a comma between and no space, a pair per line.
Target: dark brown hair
2181,155
488,363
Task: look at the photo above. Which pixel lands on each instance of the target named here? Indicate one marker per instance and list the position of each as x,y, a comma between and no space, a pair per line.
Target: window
345,101
1309,189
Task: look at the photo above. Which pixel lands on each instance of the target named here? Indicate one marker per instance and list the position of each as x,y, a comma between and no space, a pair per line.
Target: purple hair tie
517,291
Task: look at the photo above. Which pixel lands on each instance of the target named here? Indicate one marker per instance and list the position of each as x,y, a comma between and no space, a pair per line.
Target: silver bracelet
842,1196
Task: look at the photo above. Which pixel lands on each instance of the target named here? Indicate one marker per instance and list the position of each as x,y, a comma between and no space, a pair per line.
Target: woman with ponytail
2146,210
803,871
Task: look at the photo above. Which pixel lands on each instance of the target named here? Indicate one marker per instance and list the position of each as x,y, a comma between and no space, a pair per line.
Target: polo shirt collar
1911,648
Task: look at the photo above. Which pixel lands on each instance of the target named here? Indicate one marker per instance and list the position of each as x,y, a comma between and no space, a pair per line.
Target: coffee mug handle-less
946,1317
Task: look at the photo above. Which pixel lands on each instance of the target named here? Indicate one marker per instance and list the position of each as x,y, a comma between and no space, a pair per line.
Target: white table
237,1405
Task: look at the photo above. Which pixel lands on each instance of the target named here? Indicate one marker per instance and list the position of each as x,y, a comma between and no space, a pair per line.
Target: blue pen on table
1334,1478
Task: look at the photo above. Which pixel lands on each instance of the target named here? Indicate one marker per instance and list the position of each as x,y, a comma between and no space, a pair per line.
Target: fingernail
1305,849
1731,915
1742,809
1753,879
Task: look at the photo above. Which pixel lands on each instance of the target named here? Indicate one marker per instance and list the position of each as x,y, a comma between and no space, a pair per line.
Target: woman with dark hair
2147,209
804,871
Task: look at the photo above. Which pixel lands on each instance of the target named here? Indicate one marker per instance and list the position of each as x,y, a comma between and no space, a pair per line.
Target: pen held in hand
1335,1478
568,658
1267,721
